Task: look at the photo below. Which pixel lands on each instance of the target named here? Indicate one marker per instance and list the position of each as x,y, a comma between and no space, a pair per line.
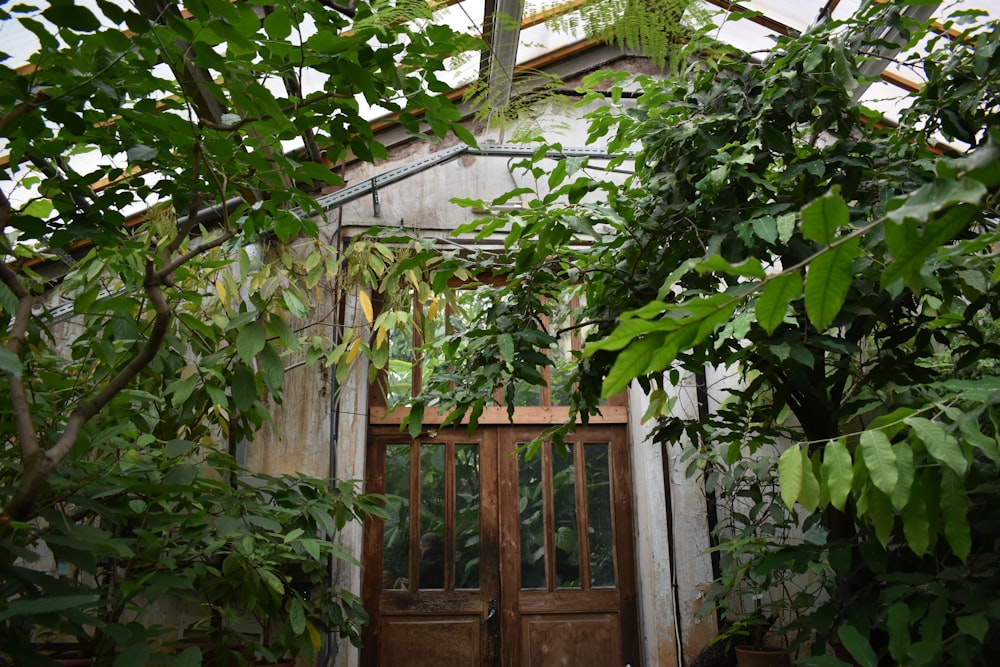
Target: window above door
536,357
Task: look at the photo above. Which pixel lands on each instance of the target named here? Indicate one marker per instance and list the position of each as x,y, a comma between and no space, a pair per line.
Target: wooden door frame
371,582
624,596
504,575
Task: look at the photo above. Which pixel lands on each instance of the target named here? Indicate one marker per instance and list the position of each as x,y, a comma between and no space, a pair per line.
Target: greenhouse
597,333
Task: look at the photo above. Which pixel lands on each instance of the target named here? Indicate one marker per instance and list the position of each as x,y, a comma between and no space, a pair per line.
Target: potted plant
766,559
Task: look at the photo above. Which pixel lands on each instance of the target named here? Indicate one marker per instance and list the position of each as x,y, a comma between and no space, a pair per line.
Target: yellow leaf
411,274
366,305
432,310
380,336
220,288
314,637
352,353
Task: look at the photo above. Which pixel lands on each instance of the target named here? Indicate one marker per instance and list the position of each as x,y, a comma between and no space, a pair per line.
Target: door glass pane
467,519
564,503
531,509
396,560
599,528
431,516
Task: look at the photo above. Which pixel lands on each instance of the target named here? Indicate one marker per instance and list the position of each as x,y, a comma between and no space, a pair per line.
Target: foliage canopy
132,343
843,265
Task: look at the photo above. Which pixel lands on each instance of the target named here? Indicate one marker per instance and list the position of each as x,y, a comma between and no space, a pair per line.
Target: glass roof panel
798,15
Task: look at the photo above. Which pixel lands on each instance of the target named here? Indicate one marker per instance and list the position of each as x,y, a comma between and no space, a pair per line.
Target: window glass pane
564,502
399,389
527,394
530,504
431,516
467,519
599,528
396,561
562,353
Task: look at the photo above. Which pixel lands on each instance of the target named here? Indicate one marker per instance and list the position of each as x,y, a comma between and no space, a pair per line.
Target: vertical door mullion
582,521
549,513
449,515
415,491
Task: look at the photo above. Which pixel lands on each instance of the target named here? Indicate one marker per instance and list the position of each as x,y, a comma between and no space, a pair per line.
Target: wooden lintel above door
497,415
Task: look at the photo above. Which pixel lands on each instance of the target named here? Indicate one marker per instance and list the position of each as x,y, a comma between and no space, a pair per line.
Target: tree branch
40,463
15,340
165,271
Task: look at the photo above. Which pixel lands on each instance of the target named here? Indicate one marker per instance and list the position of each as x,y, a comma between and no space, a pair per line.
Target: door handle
492,615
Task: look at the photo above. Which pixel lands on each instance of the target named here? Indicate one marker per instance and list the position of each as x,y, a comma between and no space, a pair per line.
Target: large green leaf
954,513
904,466
631,362
838,472
250,341
9,363
809,496
772,305
880,460
942,446
916,522
823,216
856,644
56,603
879,511
790,474
828,281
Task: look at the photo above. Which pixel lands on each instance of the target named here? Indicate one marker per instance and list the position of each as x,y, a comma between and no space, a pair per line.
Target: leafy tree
842,264
122,334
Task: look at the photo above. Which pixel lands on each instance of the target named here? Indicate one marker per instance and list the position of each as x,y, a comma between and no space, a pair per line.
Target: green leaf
940,444
72,16
140,153
273,368
9,363
271,580
898,625
250,341
828,281
790,474
57,603
809,497
904,467
879,510
294,304
857,646
974,625
907,264
838,472
748,268
934,197
880,460
772,305
296,616
954,514
916,524
823,216
244,387
631,362
505,343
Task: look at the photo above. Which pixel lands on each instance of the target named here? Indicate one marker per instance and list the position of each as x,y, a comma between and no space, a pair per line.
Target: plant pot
764,656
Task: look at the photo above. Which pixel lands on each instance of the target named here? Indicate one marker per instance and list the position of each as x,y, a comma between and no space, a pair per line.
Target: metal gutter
371,185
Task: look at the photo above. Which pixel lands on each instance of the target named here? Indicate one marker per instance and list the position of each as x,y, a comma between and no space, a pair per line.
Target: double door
500,554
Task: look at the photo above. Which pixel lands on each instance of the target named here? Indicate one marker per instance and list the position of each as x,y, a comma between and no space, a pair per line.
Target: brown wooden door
541,537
